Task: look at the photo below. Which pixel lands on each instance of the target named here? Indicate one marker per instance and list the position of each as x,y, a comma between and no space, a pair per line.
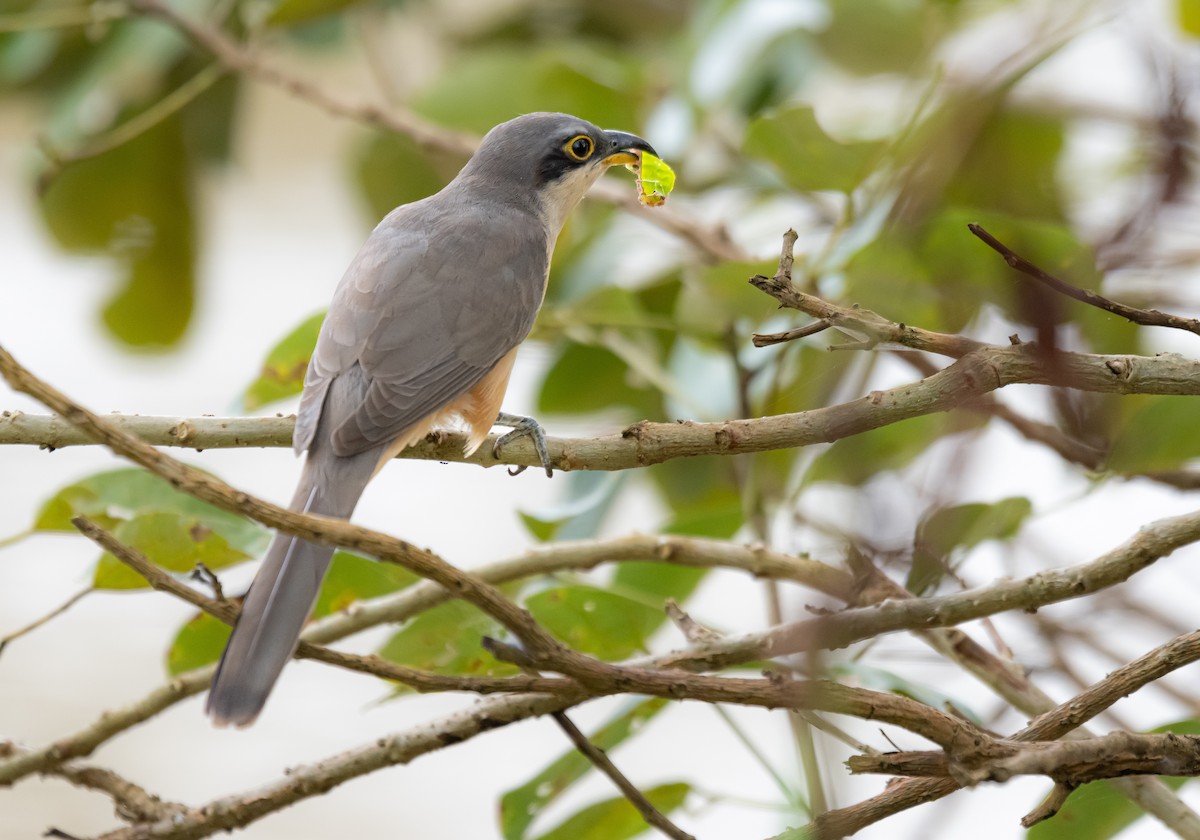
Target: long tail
283,592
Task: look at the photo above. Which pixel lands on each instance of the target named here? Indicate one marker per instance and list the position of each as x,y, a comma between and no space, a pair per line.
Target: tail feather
283,593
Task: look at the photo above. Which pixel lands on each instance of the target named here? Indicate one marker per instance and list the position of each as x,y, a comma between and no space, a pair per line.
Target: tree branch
711,241
1145,317
1070,763
604,764
973,376
401,606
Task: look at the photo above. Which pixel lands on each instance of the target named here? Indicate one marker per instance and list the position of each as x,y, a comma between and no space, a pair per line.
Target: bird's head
551,158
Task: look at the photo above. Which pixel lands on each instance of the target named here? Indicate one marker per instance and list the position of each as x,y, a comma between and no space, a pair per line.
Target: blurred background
172,219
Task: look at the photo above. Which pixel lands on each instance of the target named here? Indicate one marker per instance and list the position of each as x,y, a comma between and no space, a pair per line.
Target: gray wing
434,299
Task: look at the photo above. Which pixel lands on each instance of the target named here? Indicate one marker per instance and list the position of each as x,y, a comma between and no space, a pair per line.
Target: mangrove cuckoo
423,329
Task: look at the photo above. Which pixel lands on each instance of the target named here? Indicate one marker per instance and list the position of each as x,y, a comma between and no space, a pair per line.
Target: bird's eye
580,147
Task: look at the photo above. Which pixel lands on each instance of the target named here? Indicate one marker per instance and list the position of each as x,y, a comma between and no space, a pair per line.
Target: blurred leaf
616,819
780,67
353,578
171,528
1098,811
282,373
1012,167
134,204
658,581
26,55
447,640
714,297
125,71
291,12
719,519
807,157
350,578
887,275
585,379
621,21
209,120
589,497
881,679
595,621
1159,433
391,169
124,493
882,36
961,527
1189,16
173,541
484,87
520,806
855,460
198,643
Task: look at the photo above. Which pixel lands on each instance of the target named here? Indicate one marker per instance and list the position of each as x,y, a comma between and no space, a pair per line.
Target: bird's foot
523,427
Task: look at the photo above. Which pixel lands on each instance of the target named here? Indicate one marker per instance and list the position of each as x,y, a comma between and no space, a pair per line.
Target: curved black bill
622,147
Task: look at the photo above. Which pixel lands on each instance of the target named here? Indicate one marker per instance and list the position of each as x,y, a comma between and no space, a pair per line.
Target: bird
422,331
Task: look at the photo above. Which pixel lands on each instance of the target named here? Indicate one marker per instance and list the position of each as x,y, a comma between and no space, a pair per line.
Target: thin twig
1145,317
135,126
404,605
604,764
57,611
227,612
710,241
767,339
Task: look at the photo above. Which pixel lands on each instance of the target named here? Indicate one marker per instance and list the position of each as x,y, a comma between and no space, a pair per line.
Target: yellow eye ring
579,147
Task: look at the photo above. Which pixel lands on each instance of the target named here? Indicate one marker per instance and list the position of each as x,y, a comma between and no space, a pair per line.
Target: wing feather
434,299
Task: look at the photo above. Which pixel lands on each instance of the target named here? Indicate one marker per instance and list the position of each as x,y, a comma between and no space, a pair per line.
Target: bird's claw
523,427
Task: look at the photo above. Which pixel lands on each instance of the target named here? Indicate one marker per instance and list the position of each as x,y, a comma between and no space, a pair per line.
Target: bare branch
1145,317
958,386
401,606
604,764
54,613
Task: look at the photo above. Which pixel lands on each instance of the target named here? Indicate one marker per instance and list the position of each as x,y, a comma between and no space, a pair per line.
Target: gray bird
423,329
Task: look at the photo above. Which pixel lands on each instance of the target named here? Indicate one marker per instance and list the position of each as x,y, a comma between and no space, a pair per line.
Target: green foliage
883,36
447,639
176,542
858,459
146,227
590,496
198,643
959,528
1189,16
632,332
1098,811
616,819
292,12
174,530
1012,167
282,373
488,86
353,578
596,621
392,169
883,679
807,157
1156,433
586,378
350,578
521,805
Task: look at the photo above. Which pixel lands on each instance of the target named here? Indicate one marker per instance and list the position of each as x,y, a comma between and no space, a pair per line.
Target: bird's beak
623,147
